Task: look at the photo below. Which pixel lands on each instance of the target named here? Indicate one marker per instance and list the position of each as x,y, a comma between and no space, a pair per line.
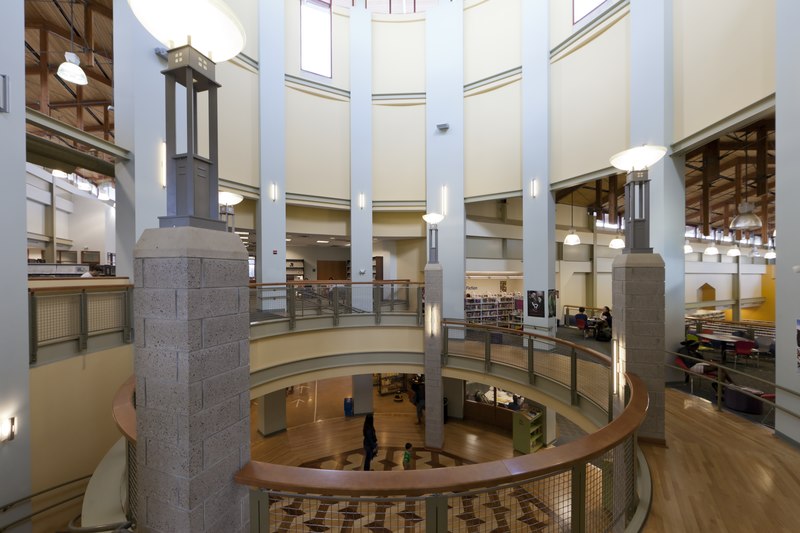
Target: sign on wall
536,304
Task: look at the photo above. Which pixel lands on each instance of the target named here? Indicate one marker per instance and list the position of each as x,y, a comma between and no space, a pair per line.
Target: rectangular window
315,37
581,8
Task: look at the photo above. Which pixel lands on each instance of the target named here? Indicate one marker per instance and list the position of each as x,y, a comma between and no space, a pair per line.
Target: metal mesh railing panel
58,317
609,488
593,382
541,505
302,513
106,311
268,303
133,482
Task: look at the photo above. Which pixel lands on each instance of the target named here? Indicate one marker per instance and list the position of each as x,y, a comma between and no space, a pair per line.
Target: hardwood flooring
718,473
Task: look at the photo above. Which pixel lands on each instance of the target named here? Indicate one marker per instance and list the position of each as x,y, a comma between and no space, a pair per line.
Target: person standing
408,457
370,441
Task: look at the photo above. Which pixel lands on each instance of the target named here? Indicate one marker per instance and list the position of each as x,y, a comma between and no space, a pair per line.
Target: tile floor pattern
388,458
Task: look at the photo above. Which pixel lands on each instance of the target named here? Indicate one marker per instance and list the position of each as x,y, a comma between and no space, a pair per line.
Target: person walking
370,441
408,457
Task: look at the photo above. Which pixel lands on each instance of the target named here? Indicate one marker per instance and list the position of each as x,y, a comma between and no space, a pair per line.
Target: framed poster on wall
552,295
536,304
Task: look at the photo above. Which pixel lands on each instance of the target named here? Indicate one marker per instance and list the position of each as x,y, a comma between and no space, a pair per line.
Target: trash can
444,410
348,407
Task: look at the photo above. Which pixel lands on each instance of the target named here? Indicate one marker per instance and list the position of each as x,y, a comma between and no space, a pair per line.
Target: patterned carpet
388,458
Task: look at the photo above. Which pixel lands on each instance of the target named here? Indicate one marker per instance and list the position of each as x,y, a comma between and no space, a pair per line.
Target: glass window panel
315,37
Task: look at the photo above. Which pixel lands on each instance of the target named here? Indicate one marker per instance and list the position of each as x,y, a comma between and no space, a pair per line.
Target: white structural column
652,113
538,204
139,126
15,456
362,394
787,216
444,168
271,216
361,155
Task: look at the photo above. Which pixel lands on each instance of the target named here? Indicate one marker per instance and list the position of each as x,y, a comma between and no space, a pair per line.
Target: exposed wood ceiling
718,176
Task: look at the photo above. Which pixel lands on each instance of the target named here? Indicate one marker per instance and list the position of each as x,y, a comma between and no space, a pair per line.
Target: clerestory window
315,37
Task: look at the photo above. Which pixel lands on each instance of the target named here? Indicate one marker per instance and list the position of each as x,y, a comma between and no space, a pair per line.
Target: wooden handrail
577,347
123,409
455,479
77,290
303,282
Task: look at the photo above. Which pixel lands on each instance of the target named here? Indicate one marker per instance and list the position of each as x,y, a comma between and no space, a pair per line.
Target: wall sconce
444,200
8,429
362,200
4,93
534,188
273,192
433,325
162,164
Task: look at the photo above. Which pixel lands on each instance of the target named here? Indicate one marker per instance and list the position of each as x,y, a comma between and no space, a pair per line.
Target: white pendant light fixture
746,220
770,254
687,247
208,26
734,252
638,158
70,70
572,238
617,243
229,198
712,250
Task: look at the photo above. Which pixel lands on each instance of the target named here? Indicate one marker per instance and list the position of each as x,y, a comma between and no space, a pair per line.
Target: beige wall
317,143
238,123
589,94
492,139
724,59
492,38
247,13
316,221
411,257
398,224
71,424
560,22
398,149
398,54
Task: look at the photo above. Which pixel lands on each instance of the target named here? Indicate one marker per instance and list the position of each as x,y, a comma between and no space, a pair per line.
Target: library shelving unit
528,432
496,310
377,268
295,269
391,383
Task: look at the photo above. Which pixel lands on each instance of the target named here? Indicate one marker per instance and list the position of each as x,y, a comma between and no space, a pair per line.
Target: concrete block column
434,393
639,329
192,380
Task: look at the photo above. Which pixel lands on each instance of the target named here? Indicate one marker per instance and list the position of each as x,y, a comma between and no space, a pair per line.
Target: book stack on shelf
496,310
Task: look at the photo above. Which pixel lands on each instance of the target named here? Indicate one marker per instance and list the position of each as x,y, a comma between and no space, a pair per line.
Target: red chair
581,325
680,363
742,349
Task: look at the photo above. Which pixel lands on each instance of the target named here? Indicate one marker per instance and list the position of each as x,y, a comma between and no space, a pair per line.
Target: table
723,339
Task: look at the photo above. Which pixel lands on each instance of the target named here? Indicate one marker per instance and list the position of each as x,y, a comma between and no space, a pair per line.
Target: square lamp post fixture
433,235
636,161
197,33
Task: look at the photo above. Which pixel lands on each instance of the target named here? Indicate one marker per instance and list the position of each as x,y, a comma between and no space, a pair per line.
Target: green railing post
578,498
445,348
336,305
487,349
291,306
420,305
573,376
83,335
377,292
531,372
33,329
391,297
127,328
436,514
611,393
259,511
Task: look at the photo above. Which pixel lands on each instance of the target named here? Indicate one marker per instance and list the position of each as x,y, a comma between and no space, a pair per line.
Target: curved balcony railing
586,485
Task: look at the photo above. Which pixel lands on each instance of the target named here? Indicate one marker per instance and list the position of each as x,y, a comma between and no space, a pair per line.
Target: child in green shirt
408,457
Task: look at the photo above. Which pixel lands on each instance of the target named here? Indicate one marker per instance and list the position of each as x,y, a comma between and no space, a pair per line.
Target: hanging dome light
770,254
71,71
572,238
711,250
229,198
746,219
617,243
734,252
687,247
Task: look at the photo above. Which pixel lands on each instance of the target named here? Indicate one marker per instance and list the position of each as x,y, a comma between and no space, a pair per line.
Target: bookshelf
528,432
295,269
377,268
391,383
497,310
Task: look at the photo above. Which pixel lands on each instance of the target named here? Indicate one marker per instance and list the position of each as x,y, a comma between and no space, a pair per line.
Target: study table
722,339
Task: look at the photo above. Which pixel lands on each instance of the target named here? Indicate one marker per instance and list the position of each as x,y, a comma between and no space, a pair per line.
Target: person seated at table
606,314
581,315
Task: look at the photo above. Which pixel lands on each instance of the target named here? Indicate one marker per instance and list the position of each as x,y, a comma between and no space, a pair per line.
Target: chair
763,343
743,349
680,363
580,323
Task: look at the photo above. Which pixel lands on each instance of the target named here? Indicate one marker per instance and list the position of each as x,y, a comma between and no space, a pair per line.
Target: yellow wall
492,38
317,221
398,224
724,59
317,143
589,92
765,311
492,139
398,54
398,148
411,256
71,424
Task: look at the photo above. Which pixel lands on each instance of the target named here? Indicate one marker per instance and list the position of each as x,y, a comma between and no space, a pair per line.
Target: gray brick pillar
192,380
638,300
434,412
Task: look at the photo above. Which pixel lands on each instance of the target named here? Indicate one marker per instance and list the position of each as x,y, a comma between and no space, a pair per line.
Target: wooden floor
718,473
721,473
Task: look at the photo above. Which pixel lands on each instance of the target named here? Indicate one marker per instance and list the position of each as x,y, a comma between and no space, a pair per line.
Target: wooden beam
93,6
44,77
765,218
710,173
106,135
612,199
79,108
83,103
761,160
88,35
598,199
39,24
